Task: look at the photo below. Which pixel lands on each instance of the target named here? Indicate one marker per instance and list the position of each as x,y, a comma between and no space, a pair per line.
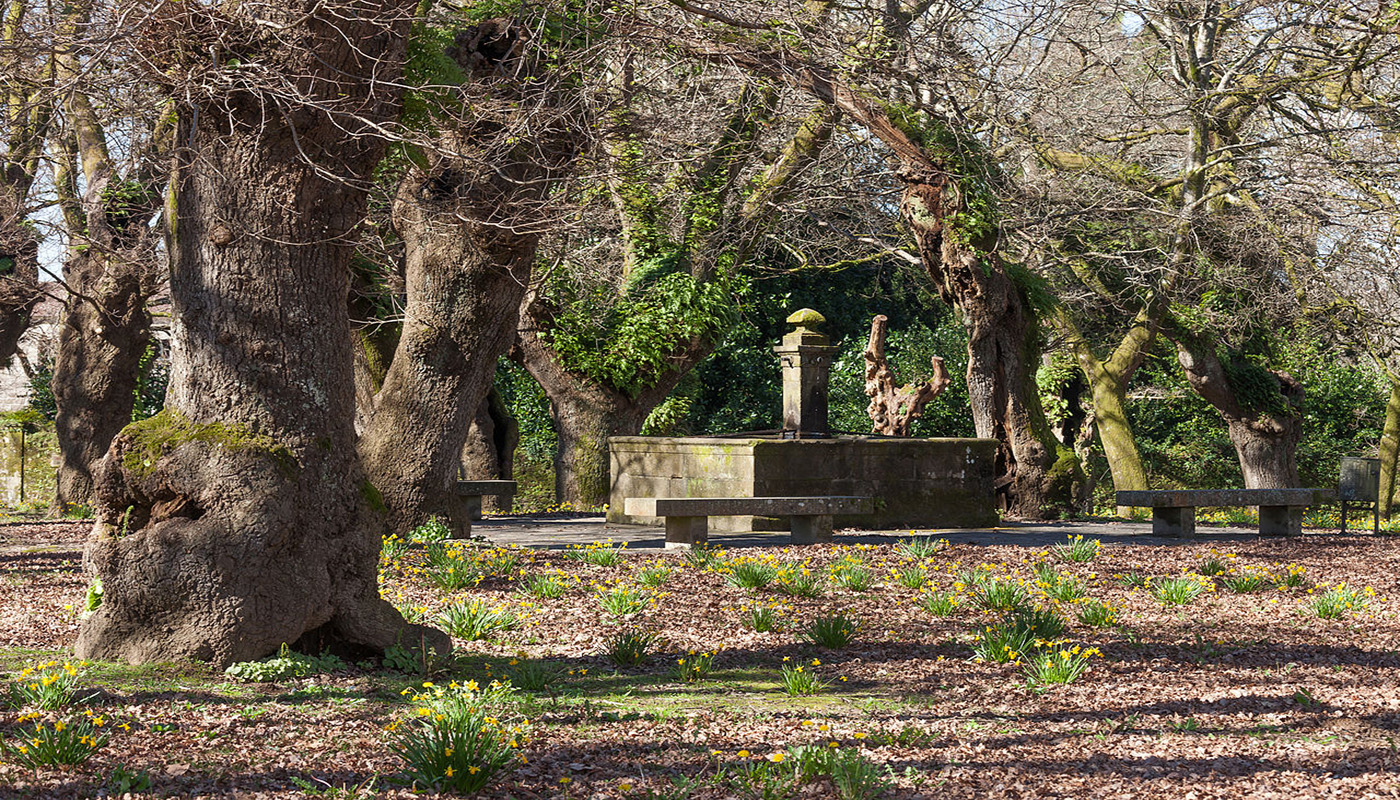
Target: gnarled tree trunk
585,413
105,332
1265,441
239,518
1390,449
471,223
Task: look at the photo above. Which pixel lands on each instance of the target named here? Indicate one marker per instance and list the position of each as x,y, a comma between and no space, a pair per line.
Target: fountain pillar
805,355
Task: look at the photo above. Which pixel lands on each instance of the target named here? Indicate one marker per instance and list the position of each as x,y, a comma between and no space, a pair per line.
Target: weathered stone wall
916,483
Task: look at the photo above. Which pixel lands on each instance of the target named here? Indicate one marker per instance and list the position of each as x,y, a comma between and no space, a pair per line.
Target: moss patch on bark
150,439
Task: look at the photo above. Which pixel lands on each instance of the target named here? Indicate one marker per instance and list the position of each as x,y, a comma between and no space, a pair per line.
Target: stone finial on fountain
805,355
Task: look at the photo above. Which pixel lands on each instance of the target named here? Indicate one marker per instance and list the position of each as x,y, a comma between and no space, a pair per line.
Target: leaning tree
240,518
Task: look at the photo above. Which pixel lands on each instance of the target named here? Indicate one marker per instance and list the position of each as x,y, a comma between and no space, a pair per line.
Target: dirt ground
1230,695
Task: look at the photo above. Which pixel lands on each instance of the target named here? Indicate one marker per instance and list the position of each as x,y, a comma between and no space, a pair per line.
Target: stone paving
556,532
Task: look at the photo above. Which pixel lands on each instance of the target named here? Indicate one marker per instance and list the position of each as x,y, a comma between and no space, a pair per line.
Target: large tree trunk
1390,449
471,222
105,332
19,274
585,413
1036,476
239,518
1116,435
1266,441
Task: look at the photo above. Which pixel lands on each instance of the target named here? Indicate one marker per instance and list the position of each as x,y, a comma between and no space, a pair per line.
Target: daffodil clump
599,554
1095,613
749,572
764,618
798,580
1077,549
46,686
1340,601
654,575
622,600
477,619
852,574
1179,591
941,604
799,681
37,741
460,736
1054,662
695,665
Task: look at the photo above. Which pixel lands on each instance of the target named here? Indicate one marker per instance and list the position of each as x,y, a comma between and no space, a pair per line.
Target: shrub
834,632
36,743
459,739
749,574
286,664
431,532
800,682
1077,549
1179,591
628,648
477,619
940,604
622,600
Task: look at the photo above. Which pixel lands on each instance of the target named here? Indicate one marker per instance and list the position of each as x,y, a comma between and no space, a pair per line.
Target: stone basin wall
916,483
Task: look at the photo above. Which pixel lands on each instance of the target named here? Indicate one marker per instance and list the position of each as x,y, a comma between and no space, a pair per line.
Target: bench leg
1280,520
683,533
1178,522
813,529
473,505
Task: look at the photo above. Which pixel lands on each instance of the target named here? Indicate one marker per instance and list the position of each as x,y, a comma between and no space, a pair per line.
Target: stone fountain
916,483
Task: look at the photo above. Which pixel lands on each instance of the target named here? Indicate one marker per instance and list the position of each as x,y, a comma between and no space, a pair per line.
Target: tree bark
490,450
239,518
105,332
1266,442
1389,450
585,413
893,408
471,223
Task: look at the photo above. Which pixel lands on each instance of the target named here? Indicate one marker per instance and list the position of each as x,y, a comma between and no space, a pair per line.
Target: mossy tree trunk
1264,419
240,518
112,271
585,413
1390,448
25,96
471,222
1108,385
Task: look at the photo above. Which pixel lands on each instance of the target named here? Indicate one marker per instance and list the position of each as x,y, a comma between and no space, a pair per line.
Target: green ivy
631,343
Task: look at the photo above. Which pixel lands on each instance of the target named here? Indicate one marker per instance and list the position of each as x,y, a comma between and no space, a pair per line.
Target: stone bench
474,490
688,524
1174,511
